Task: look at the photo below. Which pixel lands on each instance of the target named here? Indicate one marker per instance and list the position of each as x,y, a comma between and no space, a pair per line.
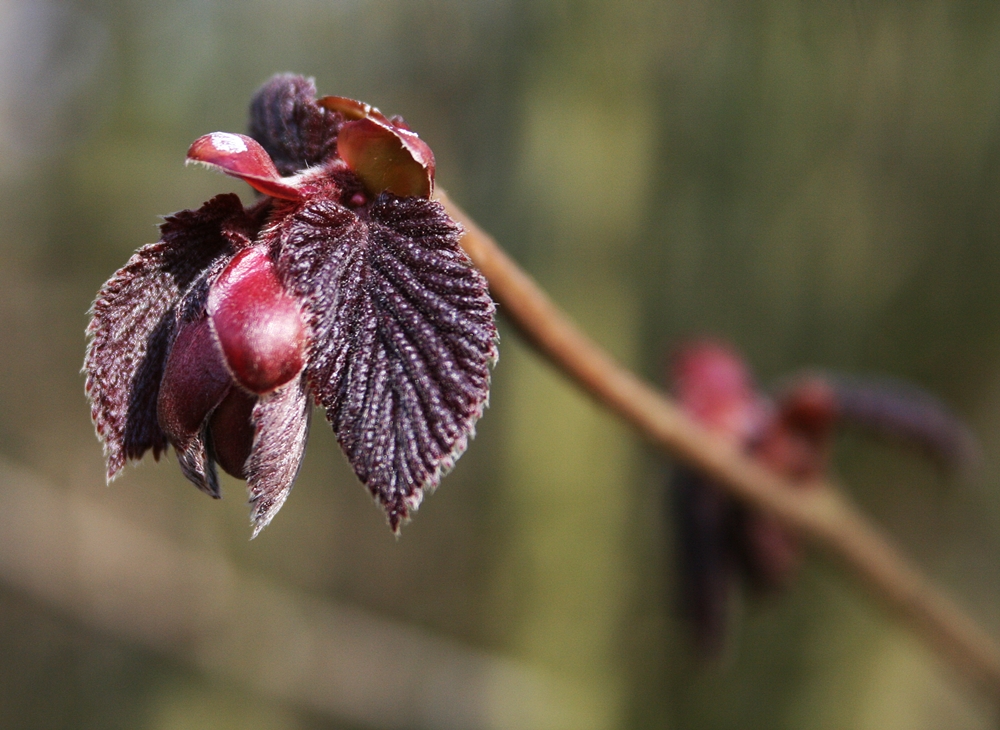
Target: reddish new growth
719,539
343,285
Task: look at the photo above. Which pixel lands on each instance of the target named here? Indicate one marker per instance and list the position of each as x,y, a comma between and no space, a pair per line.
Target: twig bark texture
823,514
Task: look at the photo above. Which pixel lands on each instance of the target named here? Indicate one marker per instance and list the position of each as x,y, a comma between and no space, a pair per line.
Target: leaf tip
242,157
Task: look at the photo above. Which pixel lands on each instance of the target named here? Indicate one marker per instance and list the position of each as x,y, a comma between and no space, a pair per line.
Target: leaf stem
822,513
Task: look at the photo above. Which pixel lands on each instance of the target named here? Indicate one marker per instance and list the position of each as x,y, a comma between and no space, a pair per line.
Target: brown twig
823,513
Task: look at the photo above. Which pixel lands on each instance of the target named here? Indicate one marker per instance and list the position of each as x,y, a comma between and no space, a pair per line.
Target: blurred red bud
714,386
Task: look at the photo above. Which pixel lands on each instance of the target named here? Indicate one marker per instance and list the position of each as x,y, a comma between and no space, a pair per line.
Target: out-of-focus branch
823,513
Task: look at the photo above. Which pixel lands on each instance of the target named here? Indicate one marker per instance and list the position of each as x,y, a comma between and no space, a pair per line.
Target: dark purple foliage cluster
722,542
343,285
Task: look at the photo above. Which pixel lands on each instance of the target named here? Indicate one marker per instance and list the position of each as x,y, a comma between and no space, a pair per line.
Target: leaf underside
281,426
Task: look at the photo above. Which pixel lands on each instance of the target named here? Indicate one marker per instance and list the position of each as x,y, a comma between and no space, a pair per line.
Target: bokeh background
817,182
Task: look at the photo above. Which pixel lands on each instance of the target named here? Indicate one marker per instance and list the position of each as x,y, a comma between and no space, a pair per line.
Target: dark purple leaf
703,517
403,338
132,325
768,553
281,424
296,132
900,411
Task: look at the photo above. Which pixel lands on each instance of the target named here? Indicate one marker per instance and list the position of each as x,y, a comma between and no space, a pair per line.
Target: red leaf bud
231,432
258,324
194,381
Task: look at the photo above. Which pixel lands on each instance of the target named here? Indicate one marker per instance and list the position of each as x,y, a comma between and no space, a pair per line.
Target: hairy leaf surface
403,338
281,425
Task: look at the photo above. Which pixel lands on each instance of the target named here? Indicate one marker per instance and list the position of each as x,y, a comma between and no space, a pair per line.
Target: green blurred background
815,181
